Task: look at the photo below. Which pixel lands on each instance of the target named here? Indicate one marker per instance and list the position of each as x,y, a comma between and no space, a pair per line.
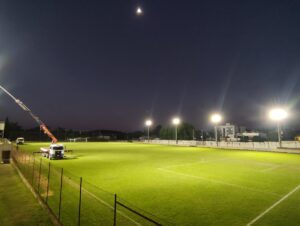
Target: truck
20,140
55,151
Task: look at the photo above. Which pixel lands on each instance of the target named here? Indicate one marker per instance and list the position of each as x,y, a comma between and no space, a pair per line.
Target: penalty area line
218,182
271,168
273,206
202,161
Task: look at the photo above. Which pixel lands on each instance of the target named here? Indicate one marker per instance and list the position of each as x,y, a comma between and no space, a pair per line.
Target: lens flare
148,122
278,114
176,121
216,118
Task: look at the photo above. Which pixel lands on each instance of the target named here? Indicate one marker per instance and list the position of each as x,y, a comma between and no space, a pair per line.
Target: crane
42,125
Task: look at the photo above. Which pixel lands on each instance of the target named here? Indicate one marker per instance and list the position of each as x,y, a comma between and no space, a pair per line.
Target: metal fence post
115,211
33,171
79,207
60,193
28,167
23,163
40,169
48,183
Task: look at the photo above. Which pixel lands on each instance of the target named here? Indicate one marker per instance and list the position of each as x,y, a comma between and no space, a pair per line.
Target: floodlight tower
278,115
216,119
176,122
148,123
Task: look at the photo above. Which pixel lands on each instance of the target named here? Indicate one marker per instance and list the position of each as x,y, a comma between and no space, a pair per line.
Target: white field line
111,207
103,202
271,168
294,167
274,205
203,161
219,182
263,163
194,163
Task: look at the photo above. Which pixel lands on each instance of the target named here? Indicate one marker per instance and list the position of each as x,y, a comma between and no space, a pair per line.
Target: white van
20,140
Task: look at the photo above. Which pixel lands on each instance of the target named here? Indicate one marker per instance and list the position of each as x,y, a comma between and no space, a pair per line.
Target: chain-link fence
76,202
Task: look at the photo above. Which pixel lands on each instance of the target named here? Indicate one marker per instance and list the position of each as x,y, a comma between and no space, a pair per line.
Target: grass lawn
18,207
190,185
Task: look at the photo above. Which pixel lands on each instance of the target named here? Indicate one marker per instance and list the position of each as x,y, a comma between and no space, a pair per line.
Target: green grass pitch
191,185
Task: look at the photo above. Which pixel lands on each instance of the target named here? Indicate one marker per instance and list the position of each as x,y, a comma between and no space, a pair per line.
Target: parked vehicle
20,140
55,151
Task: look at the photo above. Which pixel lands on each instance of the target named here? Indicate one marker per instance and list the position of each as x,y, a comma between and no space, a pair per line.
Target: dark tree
12,130
156,131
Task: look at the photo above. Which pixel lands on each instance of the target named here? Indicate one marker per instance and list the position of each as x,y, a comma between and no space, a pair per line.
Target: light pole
216,119
278,115
176,122
148,123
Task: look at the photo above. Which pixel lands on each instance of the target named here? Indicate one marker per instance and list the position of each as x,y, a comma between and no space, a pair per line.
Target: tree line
185,131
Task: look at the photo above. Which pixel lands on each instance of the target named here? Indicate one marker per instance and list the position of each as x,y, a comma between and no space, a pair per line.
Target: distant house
250,135
229,131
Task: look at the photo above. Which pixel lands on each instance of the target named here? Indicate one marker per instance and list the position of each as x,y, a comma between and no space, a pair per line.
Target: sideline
274,205
111,207
72,183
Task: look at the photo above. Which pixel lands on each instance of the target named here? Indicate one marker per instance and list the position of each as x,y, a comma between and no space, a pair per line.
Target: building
250,136
2,127
229,132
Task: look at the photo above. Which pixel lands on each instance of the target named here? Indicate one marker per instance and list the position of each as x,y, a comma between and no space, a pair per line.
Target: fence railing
231,144
74,201
123,206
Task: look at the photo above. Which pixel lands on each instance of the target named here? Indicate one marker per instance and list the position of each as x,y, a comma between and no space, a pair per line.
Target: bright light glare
216,118
277,114
176,121
148,123
139,11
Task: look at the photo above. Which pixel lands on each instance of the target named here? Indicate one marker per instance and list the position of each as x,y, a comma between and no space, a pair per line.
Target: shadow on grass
71,157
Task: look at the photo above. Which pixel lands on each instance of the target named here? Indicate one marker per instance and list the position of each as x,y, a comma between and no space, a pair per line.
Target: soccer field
191,185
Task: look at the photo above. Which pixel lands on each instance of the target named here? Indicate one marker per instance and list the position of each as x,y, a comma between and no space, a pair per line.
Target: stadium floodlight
176,122
278,115
216,118
148,123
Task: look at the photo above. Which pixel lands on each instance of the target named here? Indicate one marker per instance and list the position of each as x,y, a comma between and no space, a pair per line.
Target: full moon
139,11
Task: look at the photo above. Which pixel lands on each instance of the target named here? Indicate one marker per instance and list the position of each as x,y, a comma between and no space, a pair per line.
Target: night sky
96,64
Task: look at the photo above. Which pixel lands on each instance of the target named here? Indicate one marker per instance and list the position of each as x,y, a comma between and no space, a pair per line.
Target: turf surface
193,186
18,207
